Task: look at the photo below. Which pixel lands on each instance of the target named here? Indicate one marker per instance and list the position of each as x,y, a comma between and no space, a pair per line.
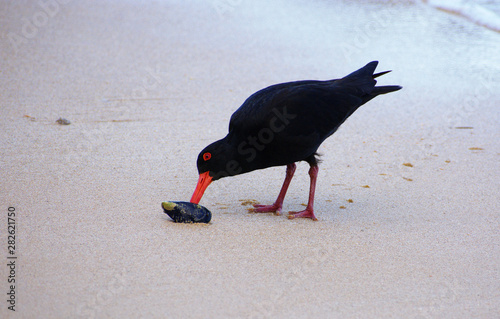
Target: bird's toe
267,209
307,213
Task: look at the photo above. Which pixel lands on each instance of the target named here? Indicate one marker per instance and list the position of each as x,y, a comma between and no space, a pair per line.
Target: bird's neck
240,157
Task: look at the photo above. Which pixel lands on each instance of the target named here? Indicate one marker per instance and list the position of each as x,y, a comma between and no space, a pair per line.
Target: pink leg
276,207
309,211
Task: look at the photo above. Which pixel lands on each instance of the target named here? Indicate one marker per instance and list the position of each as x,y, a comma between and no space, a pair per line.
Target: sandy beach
407,194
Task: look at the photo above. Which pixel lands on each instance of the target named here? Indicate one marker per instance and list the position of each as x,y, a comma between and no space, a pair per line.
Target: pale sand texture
147,86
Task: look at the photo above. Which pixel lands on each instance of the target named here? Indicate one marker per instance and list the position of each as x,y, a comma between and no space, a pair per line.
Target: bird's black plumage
283,124
287,122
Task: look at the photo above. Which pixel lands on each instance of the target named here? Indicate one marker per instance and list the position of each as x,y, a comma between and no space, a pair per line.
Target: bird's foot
306,213
274,208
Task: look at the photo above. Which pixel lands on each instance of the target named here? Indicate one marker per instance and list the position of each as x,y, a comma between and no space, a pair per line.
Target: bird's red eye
207,156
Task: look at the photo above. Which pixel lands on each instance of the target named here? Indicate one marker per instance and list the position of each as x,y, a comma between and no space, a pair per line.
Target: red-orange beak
203,182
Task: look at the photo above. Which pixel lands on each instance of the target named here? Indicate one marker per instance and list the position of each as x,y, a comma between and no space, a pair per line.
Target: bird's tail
364,79
385,89
376,75
362,83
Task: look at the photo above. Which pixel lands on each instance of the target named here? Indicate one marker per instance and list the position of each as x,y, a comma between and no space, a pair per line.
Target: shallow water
482,12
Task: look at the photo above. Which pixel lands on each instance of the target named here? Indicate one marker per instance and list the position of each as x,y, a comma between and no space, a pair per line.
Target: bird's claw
267,209
307,213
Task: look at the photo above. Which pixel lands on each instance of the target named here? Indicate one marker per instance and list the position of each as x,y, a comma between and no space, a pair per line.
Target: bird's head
214,162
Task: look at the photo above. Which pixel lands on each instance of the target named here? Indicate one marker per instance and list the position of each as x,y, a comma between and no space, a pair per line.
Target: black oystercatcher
283,124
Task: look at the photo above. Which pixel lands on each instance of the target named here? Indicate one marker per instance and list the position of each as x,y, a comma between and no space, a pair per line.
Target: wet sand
146,87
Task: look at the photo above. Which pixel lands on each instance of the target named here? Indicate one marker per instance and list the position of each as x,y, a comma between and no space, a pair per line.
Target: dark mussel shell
186,212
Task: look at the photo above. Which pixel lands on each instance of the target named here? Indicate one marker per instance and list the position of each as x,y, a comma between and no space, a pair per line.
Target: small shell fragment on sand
63,121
